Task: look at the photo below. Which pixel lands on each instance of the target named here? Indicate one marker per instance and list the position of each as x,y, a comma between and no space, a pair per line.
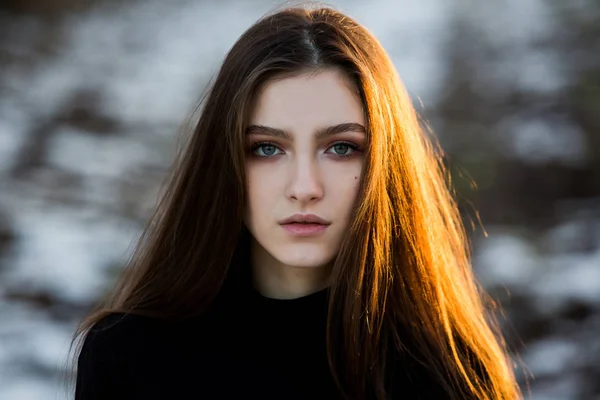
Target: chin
305,258
304,263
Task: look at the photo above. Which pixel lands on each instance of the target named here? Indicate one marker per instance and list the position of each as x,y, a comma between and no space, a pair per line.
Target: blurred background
92,94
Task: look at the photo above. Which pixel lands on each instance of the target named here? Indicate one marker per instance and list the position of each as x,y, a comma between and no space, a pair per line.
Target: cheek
261,186
352,190
344,182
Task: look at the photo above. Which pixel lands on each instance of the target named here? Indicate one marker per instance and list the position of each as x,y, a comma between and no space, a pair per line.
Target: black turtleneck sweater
260,349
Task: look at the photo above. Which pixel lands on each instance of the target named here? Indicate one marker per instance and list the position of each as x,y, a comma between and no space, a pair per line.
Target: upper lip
304,218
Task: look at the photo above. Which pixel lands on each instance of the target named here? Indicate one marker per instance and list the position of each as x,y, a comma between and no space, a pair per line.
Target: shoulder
119,324
112,338
407,373
120,334
99,363
117,330
110,350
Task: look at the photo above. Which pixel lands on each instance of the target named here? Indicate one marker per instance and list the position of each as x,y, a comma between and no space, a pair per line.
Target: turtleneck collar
309,301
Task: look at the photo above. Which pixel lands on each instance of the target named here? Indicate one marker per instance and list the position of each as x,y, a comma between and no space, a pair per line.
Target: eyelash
352,146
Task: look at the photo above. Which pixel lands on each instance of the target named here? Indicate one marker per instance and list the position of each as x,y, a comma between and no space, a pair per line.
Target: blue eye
343,149
265,150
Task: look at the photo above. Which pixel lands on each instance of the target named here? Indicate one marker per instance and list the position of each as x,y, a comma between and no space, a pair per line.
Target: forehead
308,100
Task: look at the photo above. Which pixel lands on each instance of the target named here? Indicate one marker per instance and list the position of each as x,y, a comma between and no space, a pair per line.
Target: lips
304,224
304,219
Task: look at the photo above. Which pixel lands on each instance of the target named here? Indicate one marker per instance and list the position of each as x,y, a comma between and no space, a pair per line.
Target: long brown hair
403,272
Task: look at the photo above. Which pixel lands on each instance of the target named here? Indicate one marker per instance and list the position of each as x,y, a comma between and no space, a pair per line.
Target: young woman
307,245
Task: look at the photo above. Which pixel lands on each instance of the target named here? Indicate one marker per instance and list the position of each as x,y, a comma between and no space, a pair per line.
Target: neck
276,280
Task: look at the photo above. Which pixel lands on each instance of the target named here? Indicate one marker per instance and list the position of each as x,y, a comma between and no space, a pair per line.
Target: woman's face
305,146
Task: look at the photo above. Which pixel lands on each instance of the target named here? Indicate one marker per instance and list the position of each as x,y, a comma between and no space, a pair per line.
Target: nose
305,182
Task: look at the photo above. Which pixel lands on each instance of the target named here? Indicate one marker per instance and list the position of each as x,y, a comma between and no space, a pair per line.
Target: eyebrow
320,133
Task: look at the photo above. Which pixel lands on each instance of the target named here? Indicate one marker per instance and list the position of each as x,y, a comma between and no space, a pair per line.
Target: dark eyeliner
260,144
351,145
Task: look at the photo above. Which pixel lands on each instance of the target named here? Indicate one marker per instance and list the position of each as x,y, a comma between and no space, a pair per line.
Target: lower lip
304,229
